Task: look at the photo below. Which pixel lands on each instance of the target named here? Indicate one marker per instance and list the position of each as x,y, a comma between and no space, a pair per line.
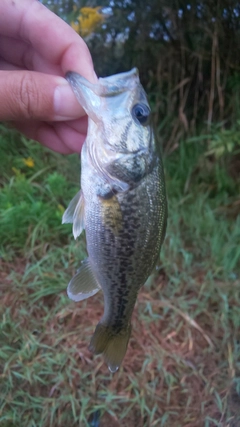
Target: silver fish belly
122,205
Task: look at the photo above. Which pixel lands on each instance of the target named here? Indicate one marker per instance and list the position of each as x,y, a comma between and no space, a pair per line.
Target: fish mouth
107,86
119,82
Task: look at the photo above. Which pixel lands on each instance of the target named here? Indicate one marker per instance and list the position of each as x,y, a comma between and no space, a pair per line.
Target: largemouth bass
122,204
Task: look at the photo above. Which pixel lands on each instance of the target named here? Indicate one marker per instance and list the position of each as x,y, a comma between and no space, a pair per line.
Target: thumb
32,95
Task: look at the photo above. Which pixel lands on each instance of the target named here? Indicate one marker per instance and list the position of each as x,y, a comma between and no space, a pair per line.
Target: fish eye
142,113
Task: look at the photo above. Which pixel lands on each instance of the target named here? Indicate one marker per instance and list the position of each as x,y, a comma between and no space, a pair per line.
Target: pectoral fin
83,285
78,218
75,214
69,212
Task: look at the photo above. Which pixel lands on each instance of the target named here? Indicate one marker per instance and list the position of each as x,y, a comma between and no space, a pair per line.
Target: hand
37,48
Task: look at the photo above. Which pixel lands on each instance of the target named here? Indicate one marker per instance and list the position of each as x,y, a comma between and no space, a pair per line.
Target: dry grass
177,371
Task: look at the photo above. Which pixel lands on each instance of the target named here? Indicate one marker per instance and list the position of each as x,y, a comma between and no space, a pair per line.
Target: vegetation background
182,368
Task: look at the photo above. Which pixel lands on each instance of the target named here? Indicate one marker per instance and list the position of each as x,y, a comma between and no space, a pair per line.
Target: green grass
182,365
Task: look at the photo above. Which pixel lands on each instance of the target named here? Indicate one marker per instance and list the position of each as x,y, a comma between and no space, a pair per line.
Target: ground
182,364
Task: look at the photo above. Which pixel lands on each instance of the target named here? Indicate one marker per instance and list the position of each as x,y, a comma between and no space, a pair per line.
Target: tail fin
112,345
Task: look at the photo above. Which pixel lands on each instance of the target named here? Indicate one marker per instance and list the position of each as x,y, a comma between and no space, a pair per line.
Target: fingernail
66,106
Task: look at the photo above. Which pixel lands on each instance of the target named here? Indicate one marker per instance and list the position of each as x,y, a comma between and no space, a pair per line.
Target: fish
122,204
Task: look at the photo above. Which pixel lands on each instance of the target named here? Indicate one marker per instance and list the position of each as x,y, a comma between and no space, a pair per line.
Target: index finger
49,35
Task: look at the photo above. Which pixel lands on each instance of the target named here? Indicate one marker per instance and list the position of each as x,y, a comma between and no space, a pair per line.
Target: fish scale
122,205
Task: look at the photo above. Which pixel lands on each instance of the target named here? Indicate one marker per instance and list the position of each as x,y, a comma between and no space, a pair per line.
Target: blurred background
182,366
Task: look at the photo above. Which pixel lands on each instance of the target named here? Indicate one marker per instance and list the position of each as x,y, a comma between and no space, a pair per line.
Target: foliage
225,141
33,203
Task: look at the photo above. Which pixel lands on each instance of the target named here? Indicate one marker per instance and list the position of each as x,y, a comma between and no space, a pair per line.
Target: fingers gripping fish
122,205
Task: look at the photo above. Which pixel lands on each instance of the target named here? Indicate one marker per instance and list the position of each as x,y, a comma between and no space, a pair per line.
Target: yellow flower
29,162
88,20
75,26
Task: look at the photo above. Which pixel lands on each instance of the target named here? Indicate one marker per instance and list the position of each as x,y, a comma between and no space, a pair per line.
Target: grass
182,365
